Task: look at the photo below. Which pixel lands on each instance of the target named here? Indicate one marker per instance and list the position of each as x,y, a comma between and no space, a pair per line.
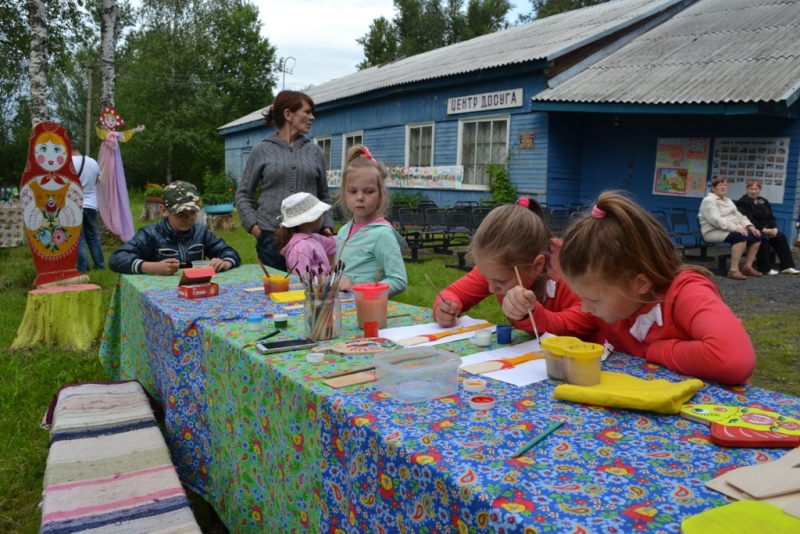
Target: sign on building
509,98
681,166
760,158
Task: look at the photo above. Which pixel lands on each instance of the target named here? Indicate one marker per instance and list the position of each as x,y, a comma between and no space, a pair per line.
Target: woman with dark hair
721,222
284,163
757,209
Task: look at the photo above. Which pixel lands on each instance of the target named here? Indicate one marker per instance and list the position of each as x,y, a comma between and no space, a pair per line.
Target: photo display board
740,159
681,166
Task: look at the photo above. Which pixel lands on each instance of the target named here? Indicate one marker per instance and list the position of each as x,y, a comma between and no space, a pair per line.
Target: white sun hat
301,208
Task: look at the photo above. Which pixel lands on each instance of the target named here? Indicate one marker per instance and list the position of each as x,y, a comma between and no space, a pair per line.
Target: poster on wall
681,166
450,177
740,159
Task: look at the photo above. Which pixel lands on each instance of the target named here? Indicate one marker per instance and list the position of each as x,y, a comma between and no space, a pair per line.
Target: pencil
547,431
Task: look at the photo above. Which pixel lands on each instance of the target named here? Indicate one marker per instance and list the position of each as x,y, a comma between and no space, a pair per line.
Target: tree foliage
423,25
546,8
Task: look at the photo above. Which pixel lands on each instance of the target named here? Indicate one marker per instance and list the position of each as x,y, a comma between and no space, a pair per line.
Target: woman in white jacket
720,222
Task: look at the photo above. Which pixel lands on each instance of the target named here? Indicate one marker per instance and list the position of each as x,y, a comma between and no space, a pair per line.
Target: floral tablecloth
285,453
12,229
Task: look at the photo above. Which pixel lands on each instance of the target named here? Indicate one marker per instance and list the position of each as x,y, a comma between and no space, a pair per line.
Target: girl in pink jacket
304,250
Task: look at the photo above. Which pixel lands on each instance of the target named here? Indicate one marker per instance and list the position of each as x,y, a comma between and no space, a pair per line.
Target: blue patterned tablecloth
275,450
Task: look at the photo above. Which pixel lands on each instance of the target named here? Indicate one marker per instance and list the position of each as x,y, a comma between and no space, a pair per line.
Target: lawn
29,379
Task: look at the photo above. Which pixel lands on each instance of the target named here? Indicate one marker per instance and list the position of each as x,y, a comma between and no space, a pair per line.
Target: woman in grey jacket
284,163
720,222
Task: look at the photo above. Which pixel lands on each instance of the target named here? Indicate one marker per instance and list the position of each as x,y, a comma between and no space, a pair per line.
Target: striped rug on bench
109,469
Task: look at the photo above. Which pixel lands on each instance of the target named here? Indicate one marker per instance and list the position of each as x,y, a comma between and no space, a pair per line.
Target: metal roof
713,52
543,39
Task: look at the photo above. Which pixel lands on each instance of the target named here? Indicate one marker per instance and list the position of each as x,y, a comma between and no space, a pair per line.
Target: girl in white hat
303,249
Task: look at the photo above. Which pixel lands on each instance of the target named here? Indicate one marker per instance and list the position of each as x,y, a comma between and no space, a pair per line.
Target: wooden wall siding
563,160
443,197
387,145
528,166
606,151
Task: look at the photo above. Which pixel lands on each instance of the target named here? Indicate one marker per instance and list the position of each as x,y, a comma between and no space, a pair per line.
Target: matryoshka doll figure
52,205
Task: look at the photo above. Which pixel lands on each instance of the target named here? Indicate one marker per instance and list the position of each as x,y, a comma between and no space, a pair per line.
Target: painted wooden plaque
52,204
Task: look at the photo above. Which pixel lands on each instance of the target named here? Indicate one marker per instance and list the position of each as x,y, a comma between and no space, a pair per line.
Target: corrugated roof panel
715,51
678,84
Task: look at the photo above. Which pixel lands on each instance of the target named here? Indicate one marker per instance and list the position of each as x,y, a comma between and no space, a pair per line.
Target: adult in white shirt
89,172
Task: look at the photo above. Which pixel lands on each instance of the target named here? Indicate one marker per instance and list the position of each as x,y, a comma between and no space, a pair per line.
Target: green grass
29,379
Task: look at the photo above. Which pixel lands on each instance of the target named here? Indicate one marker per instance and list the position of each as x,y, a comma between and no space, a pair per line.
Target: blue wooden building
620,95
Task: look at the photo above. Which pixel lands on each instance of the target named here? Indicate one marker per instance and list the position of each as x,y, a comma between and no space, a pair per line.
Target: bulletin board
681,166
740,159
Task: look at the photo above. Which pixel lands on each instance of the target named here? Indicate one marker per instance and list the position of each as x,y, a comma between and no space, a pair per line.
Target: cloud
320,34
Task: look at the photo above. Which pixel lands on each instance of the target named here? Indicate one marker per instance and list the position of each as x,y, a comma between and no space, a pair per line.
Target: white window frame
329,139
482,118
409,127
344,142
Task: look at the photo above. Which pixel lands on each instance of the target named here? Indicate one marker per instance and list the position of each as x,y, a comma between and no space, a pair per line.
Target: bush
154,190
218,188
410,198
499,184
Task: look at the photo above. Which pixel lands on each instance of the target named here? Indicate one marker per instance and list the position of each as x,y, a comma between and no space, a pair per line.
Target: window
419,146
483,141
325,144
350,140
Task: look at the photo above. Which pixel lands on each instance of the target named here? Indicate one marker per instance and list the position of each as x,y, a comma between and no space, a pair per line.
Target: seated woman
758,210
721,222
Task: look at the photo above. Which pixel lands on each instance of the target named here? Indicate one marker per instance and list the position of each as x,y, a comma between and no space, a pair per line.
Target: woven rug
109,469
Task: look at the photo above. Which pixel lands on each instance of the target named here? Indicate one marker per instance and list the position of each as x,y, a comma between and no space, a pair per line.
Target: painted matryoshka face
50,156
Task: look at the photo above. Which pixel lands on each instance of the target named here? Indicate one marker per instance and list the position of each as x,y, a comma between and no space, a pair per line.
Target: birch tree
109,33
37,66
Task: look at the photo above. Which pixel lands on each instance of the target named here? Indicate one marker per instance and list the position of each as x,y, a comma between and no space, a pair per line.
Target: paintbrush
505,363
530,313
439,294
349,371
259,340
266,273
378,276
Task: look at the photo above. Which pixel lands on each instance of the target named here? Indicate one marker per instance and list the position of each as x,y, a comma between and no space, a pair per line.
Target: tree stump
150,212
64,316
223,222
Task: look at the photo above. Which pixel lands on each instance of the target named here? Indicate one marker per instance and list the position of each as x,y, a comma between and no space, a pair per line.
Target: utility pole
283,69
88,108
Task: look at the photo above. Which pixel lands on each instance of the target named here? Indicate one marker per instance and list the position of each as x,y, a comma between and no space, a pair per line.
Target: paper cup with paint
372,302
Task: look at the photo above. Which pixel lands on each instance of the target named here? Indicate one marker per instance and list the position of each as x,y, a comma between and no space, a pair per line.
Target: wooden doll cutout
52,204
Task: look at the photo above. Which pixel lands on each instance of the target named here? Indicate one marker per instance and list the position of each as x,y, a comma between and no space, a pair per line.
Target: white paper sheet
404,332
520,375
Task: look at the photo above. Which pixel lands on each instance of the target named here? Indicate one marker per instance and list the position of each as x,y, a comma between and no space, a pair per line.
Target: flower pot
153,200
218,209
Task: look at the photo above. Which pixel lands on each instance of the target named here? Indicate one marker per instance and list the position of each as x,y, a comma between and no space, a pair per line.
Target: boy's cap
180,196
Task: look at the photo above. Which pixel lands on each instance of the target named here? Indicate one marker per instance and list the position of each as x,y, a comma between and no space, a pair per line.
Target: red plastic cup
372,303
371,329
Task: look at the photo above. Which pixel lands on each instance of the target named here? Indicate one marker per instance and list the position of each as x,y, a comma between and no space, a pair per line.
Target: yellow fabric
62,319
288,296
742,517
617,390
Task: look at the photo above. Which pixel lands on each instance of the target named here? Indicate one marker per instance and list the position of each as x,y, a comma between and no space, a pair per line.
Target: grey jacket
282,170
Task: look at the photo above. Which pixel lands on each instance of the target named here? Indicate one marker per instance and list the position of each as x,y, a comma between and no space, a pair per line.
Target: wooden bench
109,469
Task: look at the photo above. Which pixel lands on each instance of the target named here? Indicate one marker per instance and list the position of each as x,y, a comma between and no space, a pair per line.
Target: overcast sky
321,34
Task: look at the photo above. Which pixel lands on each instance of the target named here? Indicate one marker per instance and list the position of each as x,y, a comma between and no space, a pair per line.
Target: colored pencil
547,431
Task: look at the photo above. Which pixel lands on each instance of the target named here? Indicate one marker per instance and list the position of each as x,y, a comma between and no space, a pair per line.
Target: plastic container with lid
372,303
417,374
254,322
582,363
277,284
553,355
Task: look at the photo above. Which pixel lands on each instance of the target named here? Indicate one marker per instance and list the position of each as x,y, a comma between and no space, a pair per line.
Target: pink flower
59,236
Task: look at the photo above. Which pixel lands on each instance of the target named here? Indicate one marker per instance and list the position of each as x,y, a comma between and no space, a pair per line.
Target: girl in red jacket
623,266
510,235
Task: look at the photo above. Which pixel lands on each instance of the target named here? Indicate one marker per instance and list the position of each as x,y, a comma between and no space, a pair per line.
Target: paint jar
281,321
483,338
254,322
482,402
372,303
582,363
474,385
371,329
323,316
265,278
503,334
278,284
314,357
554,354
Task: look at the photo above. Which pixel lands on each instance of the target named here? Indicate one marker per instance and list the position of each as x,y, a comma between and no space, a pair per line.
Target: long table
275,450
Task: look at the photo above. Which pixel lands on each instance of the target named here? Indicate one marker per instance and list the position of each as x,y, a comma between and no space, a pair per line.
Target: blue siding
528,166
623,156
